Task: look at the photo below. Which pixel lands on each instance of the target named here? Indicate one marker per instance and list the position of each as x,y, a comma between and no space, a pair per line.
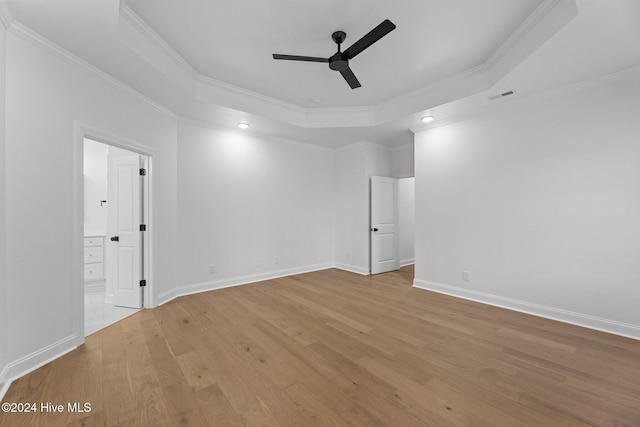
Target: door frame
396,227
148,154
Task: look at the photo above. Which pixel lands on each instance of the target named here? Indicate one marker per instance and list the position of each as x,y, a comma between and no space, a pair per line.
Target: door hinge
143,283
143,227
143,172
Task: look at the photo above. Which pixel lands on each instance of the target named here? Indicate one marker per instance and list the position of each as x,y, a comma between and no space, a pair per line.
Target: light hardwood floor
335,348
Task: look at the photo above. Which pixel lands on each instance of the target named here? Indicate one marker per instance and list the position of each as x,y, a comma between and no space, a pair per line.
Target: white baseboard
405,262
584,320
98,286
4,382
236,281
33,361
353,268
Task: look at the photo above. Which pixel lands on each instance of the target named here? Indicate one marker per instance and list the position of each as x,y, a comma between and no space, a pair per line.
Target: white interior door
123,231
384,225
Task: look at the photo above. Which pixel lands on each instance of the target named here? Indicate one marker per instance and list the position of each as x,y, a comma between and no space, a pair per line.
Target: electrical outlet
212,269
466,276
257,262
276,260
349,255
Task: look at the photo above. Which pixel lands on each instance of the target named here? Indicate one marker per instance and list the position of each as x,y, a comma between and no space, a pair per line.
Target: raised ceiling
211,61
232,42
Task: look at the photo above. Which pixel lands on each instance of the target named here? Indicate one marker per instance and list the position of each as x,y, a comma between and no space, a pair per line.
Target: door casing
81,132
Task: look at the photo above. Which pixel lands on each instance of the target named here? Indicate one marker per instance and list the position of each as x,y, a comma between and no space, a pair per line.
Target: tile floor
99,314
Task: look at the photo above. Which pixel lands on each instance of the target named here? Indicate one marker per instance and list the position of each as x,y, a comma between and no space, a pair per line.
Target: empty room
356,213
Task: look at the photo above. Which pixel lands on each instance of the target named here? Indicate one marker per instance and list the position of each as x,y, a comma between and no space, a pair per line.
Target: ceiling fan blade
300,58
370,38
350,78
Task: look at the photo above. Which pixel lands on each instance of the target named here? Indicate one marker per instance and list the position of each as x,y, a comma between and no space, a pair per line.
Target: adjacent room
320,213
104,166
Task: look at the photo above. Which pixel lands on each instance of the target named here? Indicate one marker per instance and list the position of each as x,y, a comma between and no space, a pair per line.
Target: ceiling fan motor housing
339,62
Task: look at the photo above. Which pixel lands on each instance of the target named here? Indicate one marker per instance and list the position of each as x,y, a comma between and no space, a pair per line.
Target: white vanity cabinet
93,258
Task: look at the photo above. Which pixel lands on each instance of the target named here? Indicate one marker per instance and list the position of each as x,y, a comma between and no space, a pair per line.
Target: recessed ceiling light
316,99
427,118
243,125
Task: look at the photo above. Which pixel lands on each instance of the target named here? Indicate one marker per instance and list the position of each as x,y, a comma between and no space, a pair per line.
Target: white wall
402,161
540,203
406,222
45,98
95,184
377,161
351,212
402,167
354,167
242,199
4,357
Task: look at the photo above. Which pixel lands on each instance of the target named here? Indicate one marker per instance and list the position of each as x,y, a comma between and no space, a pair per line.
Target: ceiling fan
340,60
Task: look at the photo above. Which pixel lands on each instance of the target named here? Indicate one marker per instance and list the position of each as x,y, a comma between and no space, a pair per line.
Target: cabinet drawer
93,254
93,241
94,271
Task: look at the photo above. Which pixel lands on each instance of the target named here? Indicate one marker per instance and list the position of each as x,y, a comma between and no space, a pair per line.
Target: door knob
374,229
115,239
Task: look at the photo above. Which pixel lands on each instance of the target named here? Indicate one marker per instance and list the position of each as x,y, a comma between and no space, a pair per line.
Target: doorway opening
406,221
392,224
115,213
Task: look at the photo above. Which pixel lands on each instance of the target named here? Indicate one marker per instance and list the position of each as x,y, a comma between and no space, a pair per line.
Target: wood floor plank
278,317
271,397
312,362
183,409
383,401
333,348
441,405
313,409
195,370
260,415
348,321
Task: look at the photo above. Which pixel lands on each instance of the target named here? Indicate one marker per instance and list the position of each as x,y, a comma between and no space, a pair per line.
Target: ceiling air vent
501,95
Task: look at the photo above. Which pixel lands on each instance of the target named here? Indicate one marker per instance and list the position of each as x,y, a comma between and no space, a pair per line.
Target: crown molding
310,113
37,40
211,90
528,23
542,24
574,88
539,27
248,133
364,144
629,73
459,86
425,90
223,86
308,117
158,41
6,16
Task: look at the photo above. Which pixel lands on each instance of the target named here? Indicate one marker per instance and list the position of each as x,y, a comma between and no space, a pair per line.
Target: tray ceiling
210,61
